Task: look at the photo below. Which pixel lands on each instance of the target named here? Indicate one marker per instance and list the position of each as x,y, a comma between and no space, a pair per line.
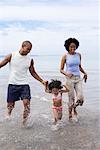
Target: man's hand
45,83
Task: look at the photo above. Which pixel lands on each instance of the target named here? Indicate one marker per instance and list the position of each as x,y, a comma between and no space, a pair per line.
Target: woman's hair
55,84
69,41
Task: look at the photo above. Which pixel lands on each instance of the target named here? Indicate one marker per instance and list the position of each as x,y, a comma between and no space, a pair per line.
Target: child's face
55,91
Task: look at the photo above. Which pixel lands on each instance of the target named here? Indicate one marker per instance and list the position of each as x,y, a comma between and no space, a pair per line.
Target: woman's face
72,48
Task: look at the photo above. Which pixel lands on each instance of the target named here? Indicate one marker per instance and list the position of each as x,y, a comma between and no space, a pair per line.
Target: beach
49,37
37,134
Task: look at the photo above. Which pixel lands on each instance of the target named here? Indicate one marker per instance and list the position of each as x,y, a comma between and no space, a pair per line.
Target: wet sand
37,134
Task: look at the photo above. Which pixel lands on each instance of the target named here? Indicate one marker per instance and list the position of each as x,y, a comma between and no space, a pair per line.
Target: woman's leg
26,112
79,93
74,111
71,97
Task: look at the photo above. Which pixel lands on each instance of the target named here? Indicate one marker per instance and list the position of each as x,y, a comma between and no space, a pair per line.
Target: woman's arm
82,70
63,61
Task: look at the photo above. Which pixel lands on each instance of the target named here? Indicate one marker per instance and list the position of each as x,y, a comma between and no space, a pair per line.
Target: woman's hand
69,74
85,77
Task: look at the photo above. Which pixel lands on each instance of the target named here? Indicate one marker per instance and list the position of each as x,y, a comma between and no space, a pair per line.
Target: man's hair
69,41
25,43
55,84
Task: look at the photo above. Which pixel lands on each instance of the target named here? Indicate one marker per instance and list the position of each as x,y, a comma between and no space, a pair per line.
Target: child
57,90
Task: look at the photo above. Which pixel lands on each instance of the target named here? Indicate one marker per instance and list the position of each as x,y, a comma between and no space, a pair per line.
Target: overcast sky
48,23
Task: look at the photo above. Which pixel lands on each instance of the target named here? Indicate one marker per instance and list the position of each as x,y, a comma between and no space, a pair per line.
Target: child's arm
46,88
64,90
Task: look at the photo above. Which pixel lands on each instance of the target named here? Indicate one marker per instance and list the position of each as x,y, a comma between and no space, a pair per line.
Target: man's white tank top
19,66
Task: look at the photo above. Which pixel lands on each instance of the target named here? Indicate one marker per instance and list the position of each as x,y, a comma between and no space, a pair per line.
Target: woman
72,60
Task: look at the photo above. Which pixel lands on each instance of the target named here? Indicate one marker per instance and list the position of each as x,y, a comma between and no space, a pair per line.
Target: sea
48,67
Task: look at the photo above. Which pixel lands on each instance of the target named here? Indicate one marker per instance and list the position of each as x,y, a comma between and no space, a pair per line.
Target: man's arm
34,74
5,60
47,89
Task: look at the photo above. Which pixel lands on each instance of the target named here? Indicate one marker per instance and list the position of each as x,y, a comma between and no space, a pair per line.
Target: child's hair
55,84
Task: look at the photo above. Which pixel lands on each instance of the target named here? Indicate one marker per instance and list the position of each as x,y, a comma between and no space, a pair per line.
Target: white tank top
19,66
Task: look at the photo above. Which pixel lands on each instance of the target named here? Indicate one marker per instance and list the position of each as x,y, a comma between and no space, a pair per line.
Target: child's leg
10,106
59,114
55,114
26,112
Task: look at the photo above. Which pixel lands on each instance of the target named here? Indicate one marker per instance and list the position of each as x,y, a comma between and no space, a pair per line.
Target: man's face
26,49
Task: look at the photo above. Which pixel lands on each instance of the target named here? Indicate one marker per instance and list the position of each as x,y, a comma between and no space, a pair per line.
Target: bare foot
24,121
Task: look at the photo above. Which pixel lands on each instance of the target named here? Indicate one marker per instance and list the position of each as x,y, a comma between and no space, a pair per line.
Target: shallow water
37,134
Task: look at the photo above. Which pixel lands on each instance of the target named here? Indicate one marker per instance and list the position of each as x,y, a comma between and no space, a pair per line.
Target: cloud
48,13
49,2
45,40
47,24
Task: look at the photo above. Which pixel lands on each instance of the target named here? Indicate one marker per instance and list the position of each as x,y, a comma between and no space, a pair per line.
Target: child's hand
65,89
64,86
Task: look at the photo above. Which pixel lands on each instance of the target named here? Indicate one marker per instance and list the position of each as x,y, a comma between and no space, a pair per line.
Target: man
18,87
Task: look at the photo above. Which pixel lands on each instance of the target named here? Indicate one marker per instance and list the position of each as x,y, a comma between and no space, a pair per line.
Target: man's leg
10,106
12,96
26,112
